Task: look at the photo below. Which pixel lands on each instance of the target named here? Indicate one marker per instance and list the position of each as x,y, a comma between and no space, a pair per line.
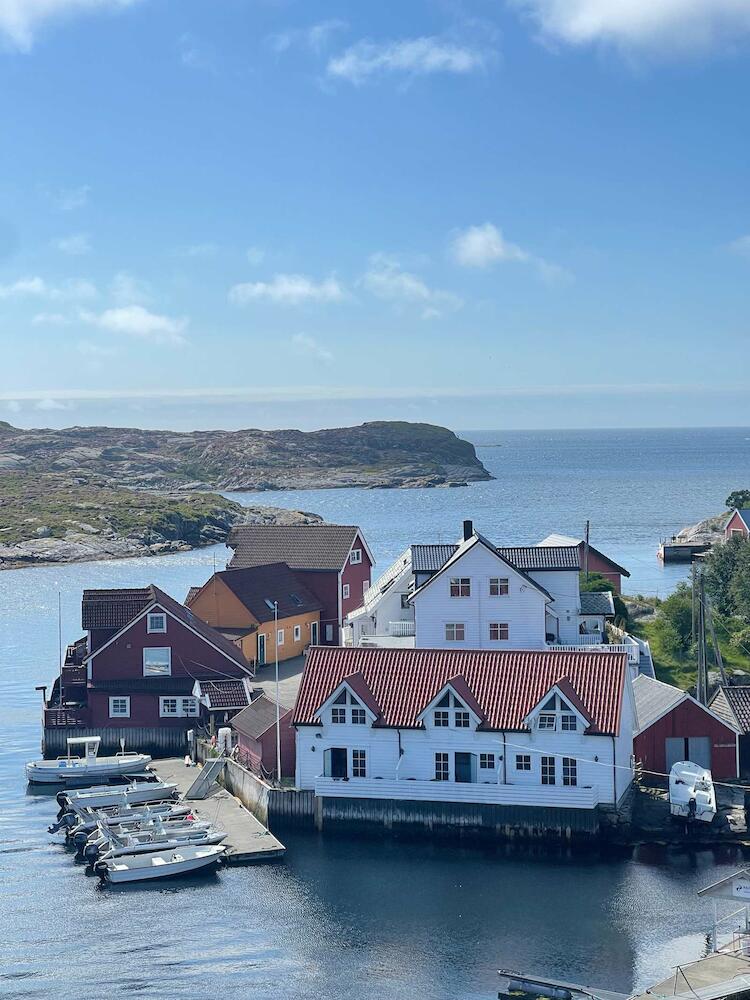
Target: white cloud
666,25
255,256
69,199
741,246
51,404
51,319
481,246
135,321
386,280
126,289
19,19
315,38
411,56
288,290
36,287
75,245
194,54
310,348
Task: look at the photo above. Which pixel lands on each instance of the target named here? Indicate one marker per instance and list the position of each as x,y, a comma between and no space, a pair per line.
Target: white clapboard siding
563,586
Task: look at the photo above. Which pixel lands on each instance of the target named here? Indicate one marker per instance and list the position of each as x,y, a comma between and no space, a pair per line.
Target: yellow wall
289,648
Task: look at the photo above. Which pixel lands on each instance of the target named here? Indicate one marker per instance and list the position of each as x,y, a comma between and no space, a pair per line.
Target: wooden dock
247,839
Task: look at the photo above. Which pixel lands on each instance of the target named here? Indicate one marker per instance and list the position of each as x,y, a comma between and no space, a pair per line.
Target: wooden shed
671,725
255,727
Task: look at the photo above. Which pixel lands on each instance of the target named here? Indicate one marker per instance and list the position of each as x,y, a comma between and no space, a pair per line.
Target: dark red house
592,559
333,560
738,525
731,702
671,726
133,675
255,728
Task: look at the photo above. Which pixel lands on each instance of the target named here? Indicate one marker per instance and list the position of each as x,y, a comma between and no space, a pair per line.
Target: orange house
243,604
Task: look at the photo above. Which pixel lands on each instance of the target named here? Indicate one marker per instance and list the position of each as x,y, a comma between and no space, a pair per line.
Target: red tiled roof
507,685
224,693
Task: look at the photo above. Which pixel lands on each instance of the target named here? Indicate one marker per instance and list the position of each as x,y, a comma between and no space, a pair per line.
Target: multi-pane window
568,723
167,706
557,715
119,708
462,719
358,716
297,633
355,556
460,586
487,760
449,710
570,771
338,716
548,770
523,761
499,586
156,622
547,721
157,661
498,631
339,710
189,706
178,707
359,764
442,767
442,719
345,591
455,632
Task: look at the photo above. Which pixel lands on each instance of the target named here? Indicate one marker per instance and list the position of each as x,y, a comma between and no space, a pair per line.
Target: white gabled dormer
350,704
559,711
453,707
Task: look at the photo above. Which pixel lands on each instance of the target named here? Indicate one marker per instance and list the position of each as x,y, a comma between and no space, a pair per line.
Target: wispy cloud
70,199
51,319
309,347
88,349
20,19
199,250
50,403
126,289
195,54
255,256
482,246
288,290
665,26
35,287
75,245
741,246
408,56
387,280
135,321
316,37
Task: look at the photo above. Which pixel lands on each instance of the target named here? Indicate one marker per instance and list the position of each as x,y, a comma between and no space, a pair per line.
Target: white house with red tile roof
510,728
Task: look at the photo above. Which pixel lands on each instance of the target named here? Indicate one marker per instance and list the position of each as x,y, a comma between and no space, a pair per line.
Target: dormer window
346,708
462,720
449,711
157,622
547,720
355,557
460,586
557,716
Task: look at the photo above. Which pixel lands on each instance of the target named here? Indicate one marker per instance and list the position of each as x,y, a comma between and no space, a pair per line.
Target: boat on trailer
691,792
185,860
87,768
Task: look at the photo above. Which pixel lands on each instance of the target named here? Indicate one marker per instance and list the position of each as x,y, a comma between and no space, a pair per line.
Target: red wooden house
333,561
255,728
592,559
738,525
133,675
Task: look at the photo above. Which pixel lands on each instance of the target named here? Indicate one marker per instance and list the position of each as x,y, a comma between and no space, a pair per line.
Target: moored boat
88,768
691,792
160,864
145,842
137,793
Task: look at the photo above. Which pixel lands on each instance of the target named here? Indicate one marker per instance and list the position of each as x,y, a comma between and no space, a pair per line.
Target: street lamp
278,711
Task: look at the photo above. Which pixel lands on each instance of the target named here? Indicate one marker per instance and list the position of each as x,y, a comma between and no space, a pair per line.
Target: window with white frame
189,706
460,586
359,763
345,591
557,715
365,586
119,707
570,771
523,761
338,716
548,770
441,718
455,632
442,767
568,723
359,717
462,719
329,633
167,706
487,761
355,557
499,586
280,637
297,633
157,661
499,631
346,708
547,721
156,622
451,711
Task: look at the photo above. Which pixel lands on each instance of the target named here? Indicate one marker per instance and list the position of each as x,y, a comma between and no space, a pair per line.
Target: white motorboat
691,792
145,842
89,767
160,864
102,796
128,818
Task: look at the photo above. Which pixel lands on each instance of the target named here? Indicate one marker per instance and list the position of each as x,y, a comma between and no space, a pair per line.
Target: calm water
341,918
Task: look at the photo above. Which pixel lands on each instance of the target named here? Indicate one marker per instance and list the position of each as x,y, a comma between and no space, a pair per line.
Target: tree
675,620
596,583
739,499
739,586
720,565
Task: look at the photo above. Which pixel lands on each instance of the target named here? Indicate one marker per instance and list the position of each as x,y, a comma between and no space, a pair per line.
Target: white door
699,751
261,649
675,750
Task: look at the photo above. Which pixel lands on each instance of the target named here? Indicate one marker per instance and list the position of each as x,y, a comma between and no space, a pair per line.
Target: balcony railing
490,792
630,647
73,675
590,639
65,717
402,628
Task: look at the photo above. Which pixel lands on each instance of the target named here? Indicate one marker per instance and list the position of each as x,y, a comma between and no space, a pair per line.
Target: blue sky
490,213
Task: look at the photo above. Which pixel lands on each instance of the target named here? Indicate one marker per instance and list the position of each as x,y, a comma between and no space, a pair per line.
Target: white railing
589,639
491,793
631,648
402,628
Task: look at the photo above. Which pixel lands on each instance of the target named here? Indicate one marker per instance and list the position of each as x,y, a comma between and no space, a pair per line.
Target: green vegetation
596,583
739,499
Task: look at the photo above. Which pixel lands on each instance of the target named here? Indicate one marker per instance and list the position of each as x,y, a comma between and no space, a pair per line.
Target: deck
717,976
247,839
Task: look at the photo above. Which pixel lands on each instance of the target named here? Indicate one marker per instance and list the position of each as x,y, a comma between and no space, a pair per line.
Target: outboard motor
65,820
91,853
80,838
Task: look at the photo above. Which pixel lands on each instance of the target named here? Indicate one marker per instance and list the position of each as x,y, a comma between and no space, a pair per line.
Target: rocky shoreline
709,531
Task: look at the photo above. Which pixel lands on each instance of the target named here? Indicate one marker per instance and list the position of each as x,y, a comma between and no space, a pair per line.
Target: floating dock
674,551
247,840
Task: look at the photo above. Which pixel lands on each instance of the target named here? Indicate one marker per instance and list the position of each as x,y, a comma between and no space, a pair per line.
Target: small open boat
90,767
111,845
102,796
160,864
691,792
128,818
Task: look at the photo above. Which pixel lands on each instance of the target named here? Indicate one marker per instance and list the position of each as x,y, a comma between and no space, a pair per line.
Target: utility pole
693,629
278,709
586,551
702,685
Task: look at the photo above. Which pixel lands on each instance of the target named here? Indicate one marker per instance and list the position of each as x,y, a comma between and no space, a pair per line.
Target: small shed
671,725
731,702
597,607
738,525
255,727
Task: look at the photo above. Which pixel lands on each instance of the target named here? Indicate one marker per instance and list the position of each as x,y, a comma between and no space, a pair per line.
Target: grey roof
597,603
744,513
558,539
429,558
652,699
738,699
542,557
257,587
193,592
113,608
257,718
223,693
301,546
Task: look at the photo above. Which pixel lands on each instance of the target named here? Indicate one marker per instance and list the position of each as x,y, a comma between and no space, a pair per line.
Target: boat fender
538,990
